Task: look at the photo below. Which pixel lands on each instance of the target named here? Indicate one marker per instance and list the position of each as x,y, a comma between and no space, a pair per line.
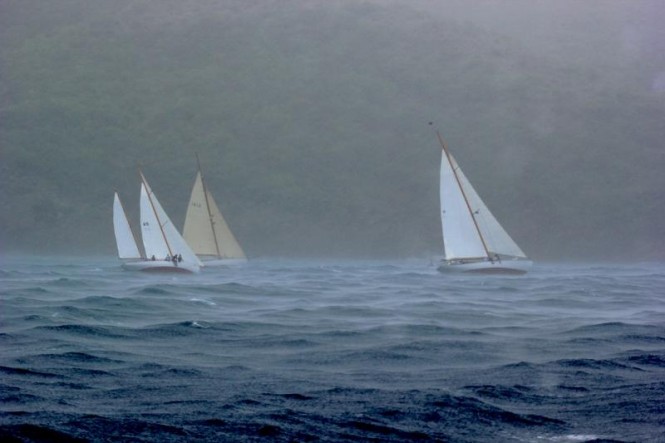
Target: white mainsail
205,228
160,237
460,236
151,233
469,228
124,237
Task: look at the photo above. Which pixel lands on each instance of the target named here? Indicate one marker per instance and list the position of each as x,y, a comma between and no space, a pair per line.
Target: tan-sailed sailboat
205,229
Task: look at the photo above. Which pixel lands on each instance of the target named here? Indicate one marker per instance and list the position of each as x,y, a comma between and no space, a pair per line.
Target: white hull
217,262
160,266
502,267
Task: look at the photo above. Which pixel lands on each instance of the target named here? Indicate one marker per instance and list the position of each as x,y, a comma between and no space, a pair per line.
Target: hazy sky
311,116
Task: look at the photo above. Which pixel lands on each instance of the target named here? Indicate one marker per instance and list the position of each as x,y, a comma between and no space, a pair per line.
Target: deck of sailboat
168,270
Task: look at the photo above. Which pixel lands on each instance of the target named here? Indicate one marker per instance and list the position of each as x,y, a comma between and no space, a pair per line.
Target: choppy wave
291,351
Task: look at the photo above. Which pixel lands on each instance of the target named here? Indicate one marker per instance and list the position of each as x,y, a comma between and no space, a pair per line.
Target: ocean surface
323,351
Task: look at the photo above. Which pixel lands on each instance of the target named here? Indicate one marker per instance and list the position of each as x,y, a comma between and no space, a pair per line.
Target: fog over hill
311,121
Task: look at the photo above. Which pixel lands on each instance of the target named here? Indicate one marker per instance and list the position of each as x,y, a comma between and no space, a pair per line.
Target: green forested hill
311,121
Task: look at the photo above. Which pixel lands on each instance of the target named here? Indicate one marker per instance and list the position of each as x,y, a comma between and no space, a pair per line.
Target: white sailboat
474,241
206,230
163,244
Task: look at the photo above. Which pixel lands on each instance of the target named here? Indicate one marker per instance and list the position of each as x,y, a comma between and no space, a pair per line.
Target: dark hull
161,267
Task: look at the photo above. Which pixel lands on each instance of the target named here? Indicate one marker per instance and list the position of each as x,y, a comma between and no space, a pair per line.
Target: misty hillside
311,119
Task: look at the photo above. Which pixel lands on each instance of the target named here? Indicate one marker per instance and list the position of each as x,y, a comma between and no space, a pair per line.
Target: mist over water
289,350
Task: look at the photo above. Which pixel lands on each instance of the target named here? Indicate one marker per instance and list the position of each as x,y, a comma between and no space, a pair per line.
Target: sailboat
474,241
162,242
206,230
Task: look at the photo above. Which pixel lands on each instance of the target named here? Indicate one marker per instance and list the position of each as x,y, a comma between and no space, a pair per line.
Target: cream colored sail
205,229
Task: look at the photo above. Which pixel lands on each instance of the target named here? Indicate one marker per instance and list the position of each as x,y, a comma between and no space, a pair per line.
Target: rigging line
490,234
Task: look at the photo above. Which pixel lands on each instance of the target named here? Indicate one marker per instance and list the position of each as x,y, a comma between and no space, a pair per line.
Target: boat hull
160,266
503,267
217,262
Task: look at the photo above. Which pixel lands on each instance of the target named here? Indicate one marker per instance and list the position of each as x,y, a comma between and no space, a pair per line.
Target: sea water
283,350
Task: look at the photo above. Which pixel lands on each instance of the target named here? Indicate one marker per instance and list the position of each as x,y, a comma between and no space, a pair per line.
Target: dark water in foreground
331,351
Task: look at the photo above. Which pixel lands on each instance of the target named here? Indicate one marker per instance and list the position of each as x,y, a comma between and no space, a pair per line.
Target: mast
466,200
210,216
152,205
